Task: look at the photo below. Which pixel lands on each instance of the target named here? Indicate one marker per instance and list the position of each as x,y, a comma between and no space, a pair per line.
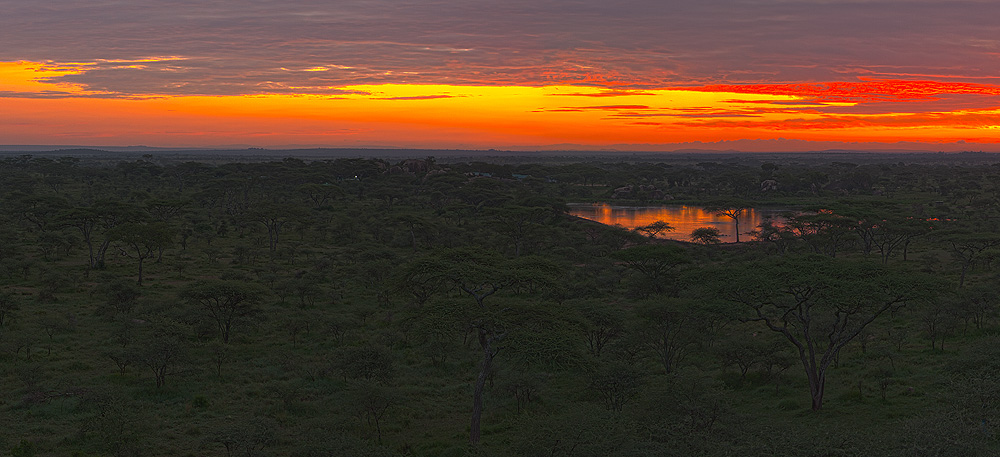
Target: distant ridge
55,148
317,153
740,146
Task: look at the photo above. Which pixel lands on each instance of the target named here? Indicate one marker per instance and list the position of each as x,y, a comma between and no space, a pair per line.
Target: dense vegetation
365,307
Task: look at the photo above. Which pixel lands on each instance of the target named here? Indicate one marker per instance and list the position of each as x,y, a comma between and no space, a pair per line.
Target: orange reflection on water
684,219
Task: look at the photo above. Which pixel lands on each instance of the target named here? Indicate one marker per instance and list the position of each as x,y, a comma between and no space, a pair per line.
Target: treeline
365,307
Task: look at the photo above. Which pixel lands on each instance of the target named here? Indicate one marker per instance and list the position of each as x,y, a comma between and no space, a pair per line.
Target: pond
684,219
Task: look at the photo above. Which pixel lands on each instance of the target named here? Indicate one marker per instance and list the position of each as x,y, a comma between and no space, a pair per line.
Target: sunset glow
39,110
582,82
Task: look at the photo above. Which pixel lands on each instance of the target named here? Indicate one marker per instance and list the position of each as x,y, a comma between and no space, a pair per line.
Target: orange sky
41,107
519,74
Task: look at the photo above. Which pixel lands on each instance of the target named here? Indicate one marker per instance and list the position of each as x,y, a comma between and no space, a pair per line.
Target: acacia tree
898,232
166,210
706,235
518,223
968,248
320,194
817,304
142,241
101,219
781,237
412,223
227,302
477,273
162,349
979,303
274,217
732,209
371,402
422,277
884,230
824,231
669,331
617,383
600,324
654,229
480,274
245,435
41,211
121,295
654,261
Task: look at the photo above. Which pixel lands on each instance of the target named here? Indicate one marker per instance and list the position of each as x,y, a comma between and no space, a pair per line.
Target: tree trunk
102,250
816,386
225,332
92,263
477,393
815,373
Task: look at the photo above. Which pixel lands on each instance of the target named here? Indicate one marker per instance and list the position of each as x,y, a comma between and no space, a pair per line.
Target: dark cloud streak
237,47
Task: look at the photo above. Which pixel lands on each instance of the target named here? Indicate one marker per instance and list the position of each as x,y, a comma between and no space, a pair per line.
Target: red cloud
864,91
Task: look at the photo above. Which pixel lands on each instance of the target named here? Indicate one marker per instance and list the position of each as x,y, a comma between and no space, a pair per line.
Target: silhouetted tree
732,209
706,235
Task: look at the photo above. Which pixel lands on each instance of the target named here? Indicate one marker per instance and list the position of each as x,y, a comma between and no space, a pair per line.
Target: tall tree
142,241
818,304
274,217
733,209
227,302
480,275
97,222
968,247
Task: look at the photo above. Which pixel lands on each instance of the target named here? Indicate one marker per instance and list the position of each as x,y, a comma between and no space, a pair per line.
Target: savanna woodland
421,307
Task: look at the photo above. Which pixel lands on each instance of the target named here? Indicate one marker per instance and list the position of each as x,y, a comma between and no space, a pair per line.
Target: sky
473,74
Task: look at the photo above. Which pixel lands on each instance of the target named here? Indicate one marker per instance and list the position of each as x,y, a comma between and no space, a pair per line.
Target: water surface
683,218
